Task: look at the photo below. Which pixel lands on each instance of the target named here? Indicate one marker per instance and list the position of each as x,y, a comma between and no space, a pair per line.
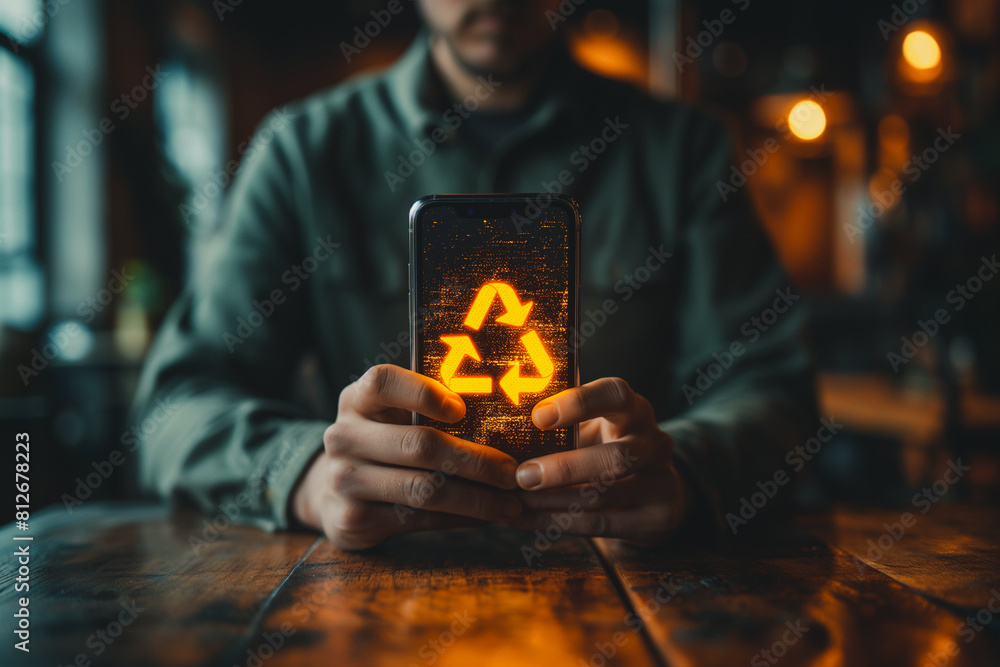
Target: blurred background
118,119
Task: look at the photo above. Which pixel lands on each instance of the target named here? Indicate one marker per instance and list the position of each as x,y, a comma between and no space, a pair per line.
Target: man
690,397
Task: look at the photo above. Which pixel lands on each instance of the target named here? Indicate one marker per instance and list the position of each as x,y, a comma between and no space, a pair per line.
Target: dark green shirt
681,293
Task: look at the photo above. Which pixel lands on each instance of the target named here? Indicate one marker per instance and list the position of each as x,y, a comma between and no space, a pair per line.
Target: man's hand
379,475
621,482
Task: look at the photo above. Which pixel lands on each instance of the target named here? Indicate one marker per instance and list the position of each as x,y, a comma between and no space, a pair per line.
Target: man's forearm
227,453
729,448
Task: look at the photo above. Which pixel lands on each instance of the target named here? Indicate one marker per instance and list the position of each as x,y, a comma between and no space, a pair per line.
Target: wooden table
123,585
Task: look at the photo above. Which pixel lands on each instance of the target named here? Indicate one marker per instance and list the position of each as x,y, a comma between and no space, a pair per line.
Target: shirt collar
421,99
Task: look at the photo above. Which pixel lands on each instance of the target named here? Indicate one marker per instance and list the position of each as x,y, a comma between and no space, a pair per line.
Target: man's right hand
379,475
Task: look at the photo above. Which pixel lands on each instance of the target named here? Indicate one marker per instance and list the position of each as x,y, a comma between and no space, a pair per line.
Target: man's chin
502,69
493,59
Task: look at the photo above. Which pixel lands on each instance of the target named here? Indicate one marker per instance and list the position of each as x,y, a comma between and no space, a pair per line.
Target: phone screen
494,289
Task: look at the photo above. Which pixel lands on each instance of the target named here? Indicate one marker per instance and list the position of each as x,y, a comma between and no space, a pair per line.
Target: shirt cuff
305,442
705,515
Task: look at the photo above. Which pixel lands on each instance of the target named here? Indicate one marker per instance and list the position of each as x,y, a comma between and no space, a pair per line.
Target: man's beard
517,70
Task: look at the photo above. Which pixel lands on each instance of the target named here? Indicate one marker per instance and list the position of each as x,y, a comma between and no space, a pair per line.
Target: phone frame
517,201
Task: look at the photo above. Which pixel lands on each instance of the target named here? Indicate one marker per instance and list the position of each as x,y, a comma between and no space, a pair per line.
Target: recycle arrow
460,347
513,384
515,316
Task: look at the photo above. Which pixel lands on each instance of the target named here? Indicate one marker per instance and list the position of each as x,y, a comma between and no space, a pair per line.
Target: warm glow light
893,142
806,120
514,384
921,50
894,131
608,48
885,188
460,346
515,312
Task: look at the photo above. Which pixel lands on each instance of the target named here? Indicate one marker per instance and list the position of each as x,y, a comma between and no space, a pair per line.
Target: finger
648,524
611,398
627,491
420,489
361,525
430,520
606,461
422,447
590,433
388,387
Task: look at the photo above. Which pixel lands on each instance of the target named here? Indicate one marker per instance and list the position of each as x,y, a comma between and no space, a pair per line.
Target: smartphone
494,293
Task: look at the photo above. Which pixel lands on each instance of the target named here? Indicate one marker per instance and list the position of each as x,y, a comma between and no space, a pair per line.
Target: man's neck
512,92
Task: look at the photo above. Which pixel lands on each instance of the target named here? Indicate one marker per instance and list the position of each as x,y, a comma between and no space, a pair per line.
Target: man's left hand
621,482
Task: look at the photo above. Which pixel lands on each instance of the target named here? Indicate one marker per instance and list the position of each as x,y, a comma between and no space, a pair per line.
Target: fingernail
546,415
454,407
529,475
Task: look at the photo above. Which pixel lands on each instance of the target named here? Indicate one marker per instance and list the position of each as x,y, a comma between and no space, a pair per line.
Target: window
21,289
190,111
21,22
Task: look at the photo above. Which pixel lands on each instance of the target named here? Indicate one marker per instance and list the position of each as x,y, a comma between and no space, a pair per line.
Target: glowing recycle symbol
460,346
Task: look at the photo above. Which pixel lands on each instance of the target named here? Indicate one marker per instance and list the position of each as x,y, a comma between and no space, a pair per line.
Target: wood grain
91,566
731,604
252,598
455,599
948,553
